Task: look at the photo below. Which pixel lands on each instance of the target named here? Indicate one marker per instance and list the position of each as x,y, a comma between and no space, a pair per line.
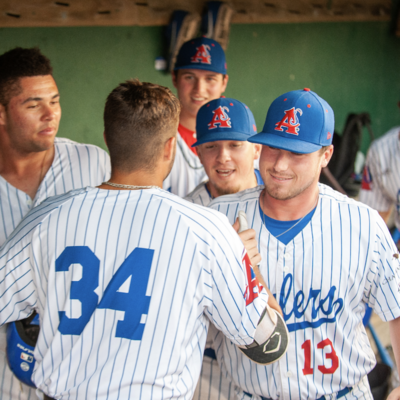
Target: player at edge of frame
324,256
380,187
34,164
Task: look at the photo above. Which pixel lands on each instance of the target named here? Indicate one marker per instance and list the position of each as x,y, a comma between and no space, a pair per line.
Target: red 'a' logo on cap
202,55
221,118
253,286
290,121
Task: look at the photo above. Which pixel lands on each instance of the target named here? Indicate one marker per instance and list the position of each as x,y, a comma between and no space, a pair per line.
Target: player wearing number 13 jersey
324,256
126,277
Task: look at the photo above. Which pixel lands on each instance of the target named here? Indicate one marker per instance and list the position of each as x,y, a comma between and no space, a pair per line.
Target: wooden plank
47,13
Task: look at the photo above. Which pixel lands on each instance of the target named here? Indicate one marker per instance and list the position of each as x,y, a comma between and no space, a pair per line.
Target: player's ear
199,152
2,114
105,139
257,150
326,156
169,149
225,80
174,76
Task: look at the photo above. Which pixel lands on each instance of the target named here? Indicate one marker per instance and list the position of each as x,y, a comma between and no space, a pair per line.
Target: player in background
380,188
324,256
199,76
223,127
34,164
126,276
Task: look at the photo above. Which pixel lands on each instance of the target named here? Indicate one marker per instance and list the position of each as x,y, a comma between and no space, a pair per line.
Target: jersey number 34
133,302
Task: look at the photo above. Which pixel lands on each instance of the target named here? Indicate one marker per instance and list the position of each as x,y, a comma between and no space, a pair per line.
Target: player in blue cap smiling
200,75
223,127
324,256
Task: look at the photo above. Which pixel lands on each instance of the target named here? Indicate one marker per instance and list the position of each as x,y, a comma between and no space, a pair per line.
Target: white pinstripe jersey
342,260
381,179
187,171
125,283
212,383
200,195
74,166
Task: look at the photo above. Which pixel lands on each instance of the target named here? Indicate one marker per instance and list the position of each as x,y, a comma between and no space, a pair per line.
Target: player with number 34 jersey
126,277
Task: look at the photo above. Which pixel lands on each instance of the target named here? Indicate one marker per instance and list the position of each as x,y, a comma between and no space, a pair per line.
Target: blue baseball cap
224,119
298,121
201,53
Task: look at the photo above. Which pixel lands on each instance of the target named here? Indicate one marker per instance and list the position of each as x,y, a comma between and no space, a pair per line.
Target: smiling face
287,175
197,87
229,165
29,122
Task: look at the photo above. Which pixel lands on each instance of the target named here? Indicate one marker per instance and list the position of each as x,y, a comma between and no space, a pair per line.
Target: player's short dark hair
139,117
20,63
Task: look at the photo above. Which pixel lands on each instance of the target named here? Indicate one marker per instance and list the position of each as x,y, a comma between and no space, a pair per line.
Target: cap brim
284,143
213,137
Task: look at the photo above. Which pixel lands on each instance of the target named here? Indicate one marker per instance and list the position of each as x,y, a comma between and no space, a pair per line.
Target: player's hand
248,238
394,394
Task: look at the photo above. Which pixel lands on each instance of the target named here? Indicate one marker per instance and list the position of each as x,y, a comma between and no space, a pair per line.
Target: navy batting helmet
21,340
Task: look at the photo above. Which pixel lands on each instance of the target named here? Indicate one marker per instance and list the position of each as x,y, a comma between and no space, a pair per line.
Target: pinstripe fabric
196,275
187,171
75,165
322,279
200,195
381,181
212,384
360,391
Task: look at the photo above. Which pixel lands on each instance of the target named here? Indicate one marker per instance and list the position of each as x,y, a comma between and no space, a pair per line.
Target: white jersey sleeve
187,171
380,187
125,283
343,259
74,166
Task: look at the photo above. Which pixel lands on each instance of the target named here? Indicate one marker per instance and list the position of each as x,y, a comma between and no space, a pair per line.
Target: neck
187,120
291,209
249,183
25,171
136,178
15,162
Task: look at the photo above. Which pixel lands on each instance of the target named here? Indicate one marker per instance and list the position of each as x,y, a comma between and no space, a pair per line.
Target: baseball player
199,76
324,256
380,188
33,163
127,276
223,127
